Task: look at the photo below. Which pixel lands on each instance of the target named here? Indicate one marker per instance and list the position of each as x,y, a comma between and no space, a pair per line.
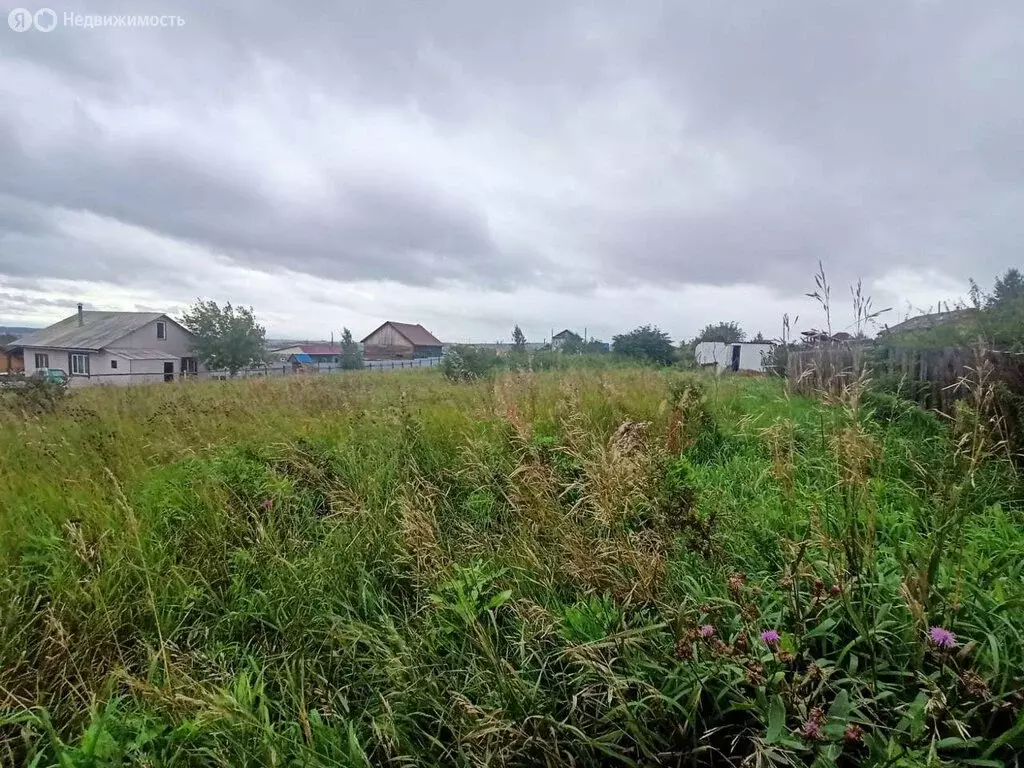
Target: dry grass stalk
417,513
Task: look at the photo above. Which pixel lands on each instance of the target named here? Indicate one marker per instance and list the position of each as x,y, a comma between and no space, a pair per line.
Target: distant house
11,360
111,348
319,355
741,356
560,339
400,341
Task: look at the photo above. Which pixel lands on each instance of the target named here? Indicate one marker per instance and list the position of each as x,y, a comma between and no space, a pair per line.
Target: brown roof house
400,341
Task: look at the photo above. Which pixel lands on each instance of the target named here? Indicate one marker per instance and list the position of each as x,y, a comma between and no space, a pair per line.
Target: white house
742,356
120,348
566,337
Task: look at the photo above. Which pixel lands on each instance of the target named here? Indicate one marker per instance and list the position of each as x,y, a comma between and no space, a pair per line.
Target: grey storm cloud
570,144
365,230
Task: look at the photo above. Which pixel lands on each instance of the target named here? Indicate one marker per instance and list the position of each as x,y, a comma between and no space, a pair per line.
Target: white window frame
44,358
79,361
161,330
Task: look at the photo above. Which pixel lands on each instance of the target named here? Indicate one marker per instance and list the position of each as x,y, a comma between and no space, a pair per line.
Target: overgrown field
569,568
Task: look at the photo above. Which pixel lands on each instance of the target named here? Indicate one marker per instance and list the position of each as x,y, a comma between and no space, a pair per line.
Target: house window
161,330
113,364
42,360
79,365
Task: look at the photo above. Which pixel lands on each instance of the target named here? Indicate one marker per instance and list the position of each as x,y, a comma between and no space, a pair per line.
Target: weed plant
575,567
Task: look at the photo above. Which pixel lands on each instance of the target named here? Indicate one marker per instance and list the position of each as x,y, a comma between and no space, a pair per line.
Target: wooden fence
935,378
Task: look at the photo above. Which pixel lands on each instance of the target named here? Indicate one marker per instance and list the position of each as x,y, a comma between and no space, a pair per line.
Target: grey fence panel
129,378
368,365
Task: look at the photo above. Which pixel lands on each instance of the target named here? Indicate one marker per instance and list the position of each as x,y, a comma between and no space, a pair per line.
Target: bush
777,360
466,363
36,396
645,344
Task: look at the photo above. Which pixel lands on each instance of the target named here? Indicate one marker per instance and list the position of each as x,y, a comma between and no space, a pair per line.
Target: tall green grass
560,568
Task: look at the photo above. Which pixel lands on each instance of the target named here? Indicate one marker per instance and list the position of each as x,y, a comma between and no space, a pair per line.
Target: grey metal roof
130,353
98,330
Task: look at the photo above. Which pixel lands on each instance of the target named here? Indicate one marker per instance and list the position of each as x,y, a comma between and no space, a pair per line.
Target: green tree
226,339
974,293
1008,288
518,339
759,338
351,353
725,333
595,347
573,346
686,357
1001,325
647,343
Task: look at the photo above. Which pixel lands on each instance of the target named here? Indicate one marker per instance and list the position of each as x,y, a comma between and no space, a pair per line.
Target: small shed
739,356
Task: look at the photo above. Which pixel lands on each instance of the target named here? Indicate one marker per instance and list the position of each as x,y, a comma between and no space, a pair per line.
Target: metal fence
286,369
126,378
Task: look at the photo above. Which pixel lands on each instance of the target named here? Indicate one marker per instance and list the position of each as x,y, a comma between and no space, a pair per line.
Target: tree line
230,338
647,343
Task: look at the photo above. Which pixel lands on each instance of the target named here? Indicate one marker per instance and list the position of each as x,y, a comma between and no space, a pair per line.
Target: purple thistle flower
771,638
268,503
942,637
811,730
707,631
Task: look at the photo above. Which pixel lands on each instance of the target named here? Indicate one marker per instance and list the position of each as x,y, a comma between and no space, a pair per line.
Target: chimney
80,319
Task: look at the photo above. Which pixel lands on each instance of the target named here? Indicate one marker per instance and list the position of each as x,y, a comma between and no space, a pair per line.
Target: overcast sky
469,164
